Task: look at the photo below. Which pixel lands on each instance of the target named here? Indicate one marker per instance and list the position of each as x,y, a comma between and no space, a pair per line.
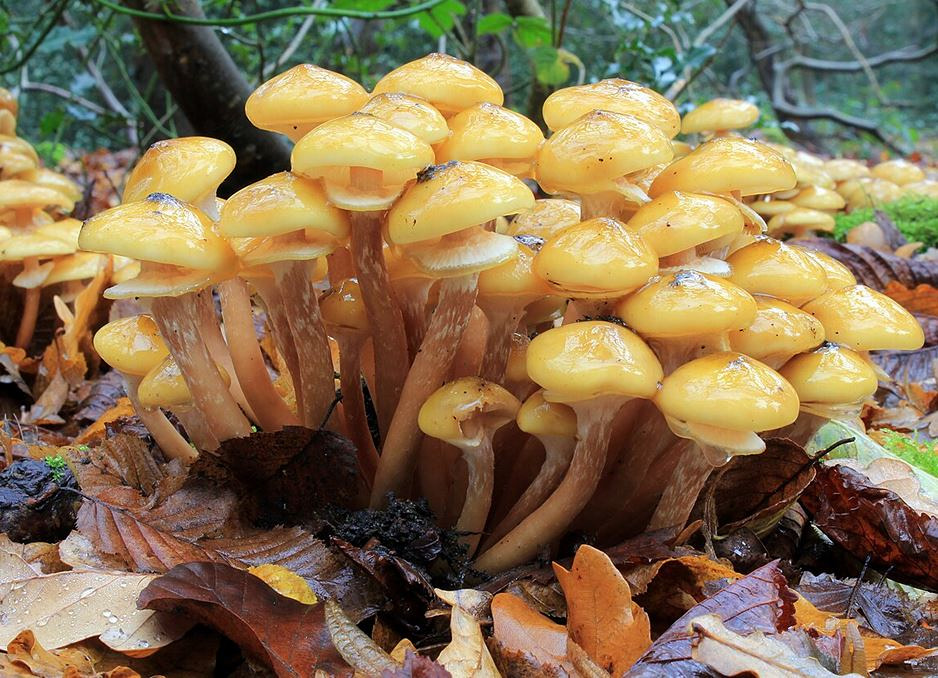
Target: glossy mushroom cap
614,94
818,198
164,385
590,359
595,152
54,180
335,148
868,192
597,258
450,84
342,307
687,304
725,165
131,345
297,100
412,113
21,246
899,172
838,276
775,269
493,135
778,331
188,168
19,194
78,266
460,412
771,208
866,320
830,374
720,114
841,169
677,221
799,220
542,418
547,218
513,280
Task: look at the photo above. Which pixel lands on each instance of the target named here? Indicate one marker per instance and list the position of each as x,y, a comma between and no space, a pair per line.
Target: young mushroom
776,269
466,413
719,116
778,332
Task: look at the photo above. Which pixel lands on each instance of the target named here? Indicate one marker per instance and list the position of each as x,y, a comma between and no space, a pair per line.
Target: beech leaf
525,636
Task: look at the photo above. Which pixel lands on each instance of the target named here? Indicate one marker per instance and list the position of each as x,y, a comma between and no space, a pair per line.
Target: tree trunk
210,89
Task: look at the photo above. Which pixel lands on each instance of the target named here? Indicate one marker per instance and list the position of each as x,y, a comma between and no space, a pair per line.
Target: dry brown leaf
731,654
98,430
467,655
66,607
533,638
26,657
920,299
601,616
13,561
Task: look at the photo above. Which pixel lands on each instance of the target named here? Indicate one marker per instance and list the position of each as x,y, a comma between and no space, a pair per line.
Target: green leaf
51,152
51,122
549,67
441,18
532,31
493,23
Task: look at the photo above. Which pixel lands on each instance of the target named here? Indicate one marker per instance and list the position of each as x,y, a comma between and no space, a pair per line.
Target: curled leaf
355,646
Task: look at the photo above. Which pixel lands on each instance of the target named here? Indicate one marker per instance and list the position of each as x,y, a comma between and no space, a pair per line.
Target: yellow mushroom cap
342,307
494,135
831,374
869,192
12,162
771,208
33,244
164,385
54,180
460,411
799,220
838,276
596,258
159,229
594,151
548,217
12,144
687,304
297,100
78,266
19,194
8,101
281,203
66,230
899,172
926,187
454,196
515,279
131,345
730,391
778,329
188,168
866,320
542,418
676,221
720,114
7,124
589,359
776,269
412,113
724,165
841,169
819,198
359,140
614,94
450,84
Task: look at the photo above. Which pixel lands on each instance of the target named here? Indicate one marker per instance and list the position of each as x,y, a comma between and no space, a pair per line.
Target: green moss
915,216
918,453
58,466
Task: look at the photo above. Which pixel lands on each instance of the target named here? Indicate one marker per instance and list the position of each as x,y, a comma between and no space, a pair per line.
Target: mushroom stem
503,320
196,427
399,453
475,509
551,519
248,361
559,451
24,334
610,204
283,336
178,320
293,280
353,400
339,263
169,439
680,495
413,297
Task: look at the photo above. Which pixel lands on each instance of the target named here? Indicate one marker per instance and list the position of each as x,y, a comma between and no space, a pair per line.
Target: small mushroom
778,332
566,105
719,116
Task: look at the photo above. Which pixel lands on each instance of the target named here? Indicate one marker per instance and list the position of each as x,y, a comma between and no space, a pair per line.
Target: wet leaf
417,666
286,635
526,639
877,269
103,395
354,645
874,522
285,582
13,561
601,616
26,657
467,656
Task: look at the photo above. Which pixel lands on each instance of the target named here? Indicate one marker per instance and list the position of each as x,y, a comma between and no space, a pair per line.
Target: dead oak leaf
601,616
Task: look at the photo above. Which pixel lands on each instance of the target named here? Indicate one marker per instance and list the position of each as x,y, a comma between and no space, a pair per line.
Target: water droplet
112,619
42,622
123,585
106,614
87,592
4,618
143,643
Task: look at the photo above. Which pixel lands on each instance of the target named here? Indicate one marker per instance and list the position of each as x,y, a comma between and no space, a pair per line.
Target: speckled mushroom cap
899,172
298,100
459,412
614,94
597,258
725,165
188,168
589,359
866,320
131,345
450,84
778,329
830,374
514,280
416,115
775,269
547,218
594,153
335,148
493,135
676,221
542,418
720,114
687,304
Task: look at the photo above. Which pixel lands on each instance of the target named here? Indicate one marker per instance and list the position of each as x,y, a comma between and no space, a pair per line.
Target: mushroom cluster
38,241
577,361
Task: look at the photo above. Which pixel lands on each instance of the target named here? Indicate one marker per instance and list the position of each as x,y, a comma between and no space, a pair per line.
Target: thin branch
650,20
28,53
861,124
731,11
292,46
905,54
63,94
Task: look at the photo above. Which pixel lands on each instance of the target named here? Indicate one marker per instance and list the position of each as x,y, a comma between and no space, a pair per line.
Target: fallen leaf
898,476
920,299
870,521
286,635
25,656
731,654
877,269
354,645
285,582
66,607
13,561
417,666
103,395
526,637
466,656
601,616
97,431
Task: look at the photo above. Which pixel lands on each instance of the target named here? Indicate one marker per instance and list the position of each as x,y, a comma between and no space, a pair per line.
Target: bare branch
905,54
804,113
731,11
28,85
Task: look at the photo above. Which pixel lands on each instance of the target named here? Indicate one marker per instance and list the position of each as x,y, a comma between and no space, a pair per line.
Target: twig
856,588
851,45
905,54
293,45
28,53
64,94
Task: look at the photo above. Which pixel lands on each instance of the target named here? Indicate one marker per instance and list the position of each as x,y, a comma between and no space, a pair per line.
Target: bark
210,90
